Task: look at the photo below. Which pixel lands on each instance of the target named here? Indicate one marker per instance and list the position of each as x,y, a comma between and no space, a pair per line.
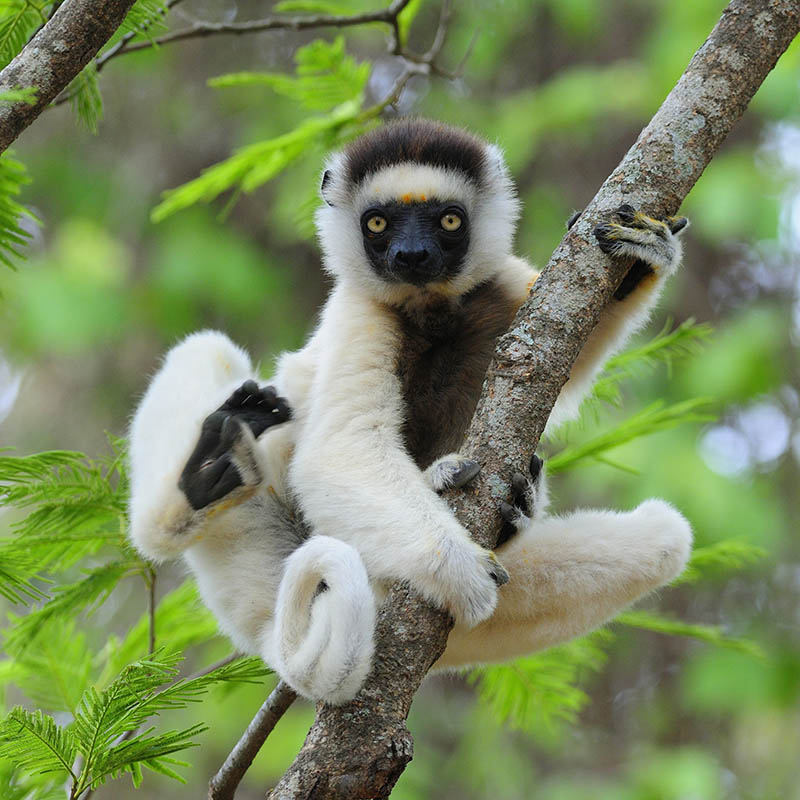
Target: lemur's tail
324,621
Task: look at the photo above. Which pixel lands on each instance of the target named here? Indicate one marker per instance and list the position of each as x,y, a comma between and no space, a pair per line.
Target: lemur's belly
442,363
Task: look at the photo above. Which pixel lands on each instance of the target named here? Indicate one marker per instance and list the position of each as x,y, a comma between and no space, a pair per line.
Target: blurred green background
564,86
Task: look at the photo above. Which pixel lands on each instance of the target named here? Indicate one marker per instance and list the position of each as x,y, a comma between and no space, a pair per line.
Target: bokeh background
564,86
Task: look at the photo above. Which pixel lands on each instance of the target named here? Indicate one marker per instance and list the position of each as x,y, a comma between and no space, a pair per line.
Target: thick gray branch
359,750
58,52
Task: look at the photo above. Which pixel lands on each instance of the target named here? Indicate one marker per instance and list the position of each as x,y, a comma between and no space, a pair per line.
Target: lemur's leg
196,377
655,246
224,458
571,574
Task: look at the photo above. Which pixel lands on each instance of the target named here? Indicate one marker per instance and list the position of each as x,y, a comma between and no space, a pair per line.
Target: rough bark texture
58,52
358,750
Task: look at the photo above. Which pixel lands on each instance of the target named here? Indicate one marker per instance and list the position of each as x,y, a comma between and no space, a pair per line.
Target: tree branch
54,56
202,30
223,784
360,749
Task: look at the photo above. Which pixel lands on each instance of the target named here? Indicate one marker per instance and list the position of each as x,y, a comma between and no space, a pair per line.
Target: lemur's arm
655,245
193,449
355,480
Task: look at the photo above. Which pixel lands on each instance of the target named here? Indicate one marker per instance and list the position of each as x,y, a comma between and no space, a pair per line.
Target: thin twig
223,785
122,44
202,30
150,582
223,662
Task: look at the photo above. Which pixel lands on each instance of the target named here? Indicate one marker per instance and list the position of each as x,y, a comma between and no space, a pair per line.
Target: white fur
341,460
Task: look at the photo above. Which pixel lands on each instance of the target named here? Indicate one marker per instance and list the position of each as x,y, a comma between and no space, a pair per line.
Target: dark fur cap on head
415,140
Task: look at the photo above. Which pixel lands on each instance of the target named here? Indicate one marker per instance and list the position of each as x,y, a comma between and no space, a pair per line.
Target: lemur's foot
528,500
652,242
451,472
464,579
224,458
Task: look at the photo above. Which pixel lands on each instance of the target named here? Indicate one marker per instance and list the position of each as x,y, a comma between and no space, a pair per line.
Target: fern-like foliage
85,98
145,19
541,690
711,634
254,165
33,741
75,507
326,76
658,416
326,79
18,21
13,176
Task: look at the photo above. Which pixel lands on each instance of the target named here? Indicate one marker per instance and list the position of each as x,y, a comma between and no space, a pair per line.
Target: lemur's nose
411,259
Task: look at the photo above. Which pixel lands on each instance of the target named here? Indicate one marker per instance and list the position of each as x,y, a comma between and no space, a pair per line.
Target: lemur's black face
416,243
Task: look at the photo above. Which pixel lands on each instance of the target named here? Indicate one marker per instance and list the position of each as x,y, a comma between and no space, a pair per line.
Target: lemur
359,430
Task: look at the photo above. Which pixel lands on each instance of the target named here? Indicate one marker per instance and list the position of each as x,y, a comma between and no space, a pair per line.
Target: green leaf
666,347
541,690
258,163
658,416
181,619
13,237
25,95
70,599
85,99
145,19
326,77
141,691
730,554
405,19
18,20
711,634
55,670
33,741
80,505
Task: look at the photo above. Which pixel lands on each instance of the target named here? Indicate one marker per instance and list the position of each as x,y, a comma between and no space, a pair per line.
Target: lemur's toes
574,217
497,571
535,466
676,224
464,473
508,512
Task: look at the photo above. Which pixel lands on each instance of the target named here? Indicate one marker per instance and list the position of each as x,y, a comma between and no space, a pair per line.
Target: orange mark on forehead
412,198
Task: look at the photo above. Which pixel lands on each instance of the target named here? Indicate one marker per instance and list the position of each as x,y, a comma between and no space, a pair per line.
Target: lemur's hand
652,242
223,458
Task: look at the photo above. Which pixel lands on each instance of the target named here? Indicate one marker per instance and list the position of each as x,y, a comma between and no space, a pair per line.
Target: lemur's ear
327,180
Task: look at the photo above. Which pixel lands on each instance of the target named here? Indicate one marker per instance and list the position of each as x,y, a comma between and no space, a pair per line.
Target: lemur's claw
498,572
467,470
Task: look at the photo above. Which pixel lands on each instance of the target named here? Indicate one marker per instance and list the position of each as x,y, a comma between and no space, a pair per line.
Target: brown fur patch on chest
442,360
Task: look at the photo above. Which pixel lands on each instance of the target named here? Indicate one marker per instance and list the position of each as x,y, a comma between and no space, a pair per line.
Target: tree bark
360,749
55,55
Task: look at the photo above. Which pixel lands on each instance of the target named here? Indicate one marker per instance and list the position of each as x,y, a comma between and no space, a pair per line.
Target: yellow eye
450,222
376,224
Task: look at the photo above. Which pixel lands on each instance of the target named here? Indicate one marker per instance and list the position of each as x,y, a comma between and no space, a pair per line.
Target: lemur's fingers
651,242
574,217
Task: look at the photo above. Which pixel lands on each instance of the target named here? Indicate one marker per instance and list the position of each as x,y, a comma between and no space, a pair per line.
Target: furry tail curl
324,621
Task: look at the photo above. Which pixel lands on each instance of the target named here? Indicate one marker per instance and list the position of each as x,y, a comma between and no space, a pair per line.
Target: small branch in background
223,662
202,30
150,583
223,785
122,45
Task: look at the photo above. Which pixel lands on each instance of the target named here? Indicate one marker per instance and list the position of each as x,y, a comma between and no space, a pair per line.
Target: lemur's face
416,242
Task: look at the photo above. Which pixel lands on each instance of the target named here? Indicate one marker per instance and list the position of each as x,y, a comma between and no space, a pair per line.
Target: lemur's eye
376,224
450,221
